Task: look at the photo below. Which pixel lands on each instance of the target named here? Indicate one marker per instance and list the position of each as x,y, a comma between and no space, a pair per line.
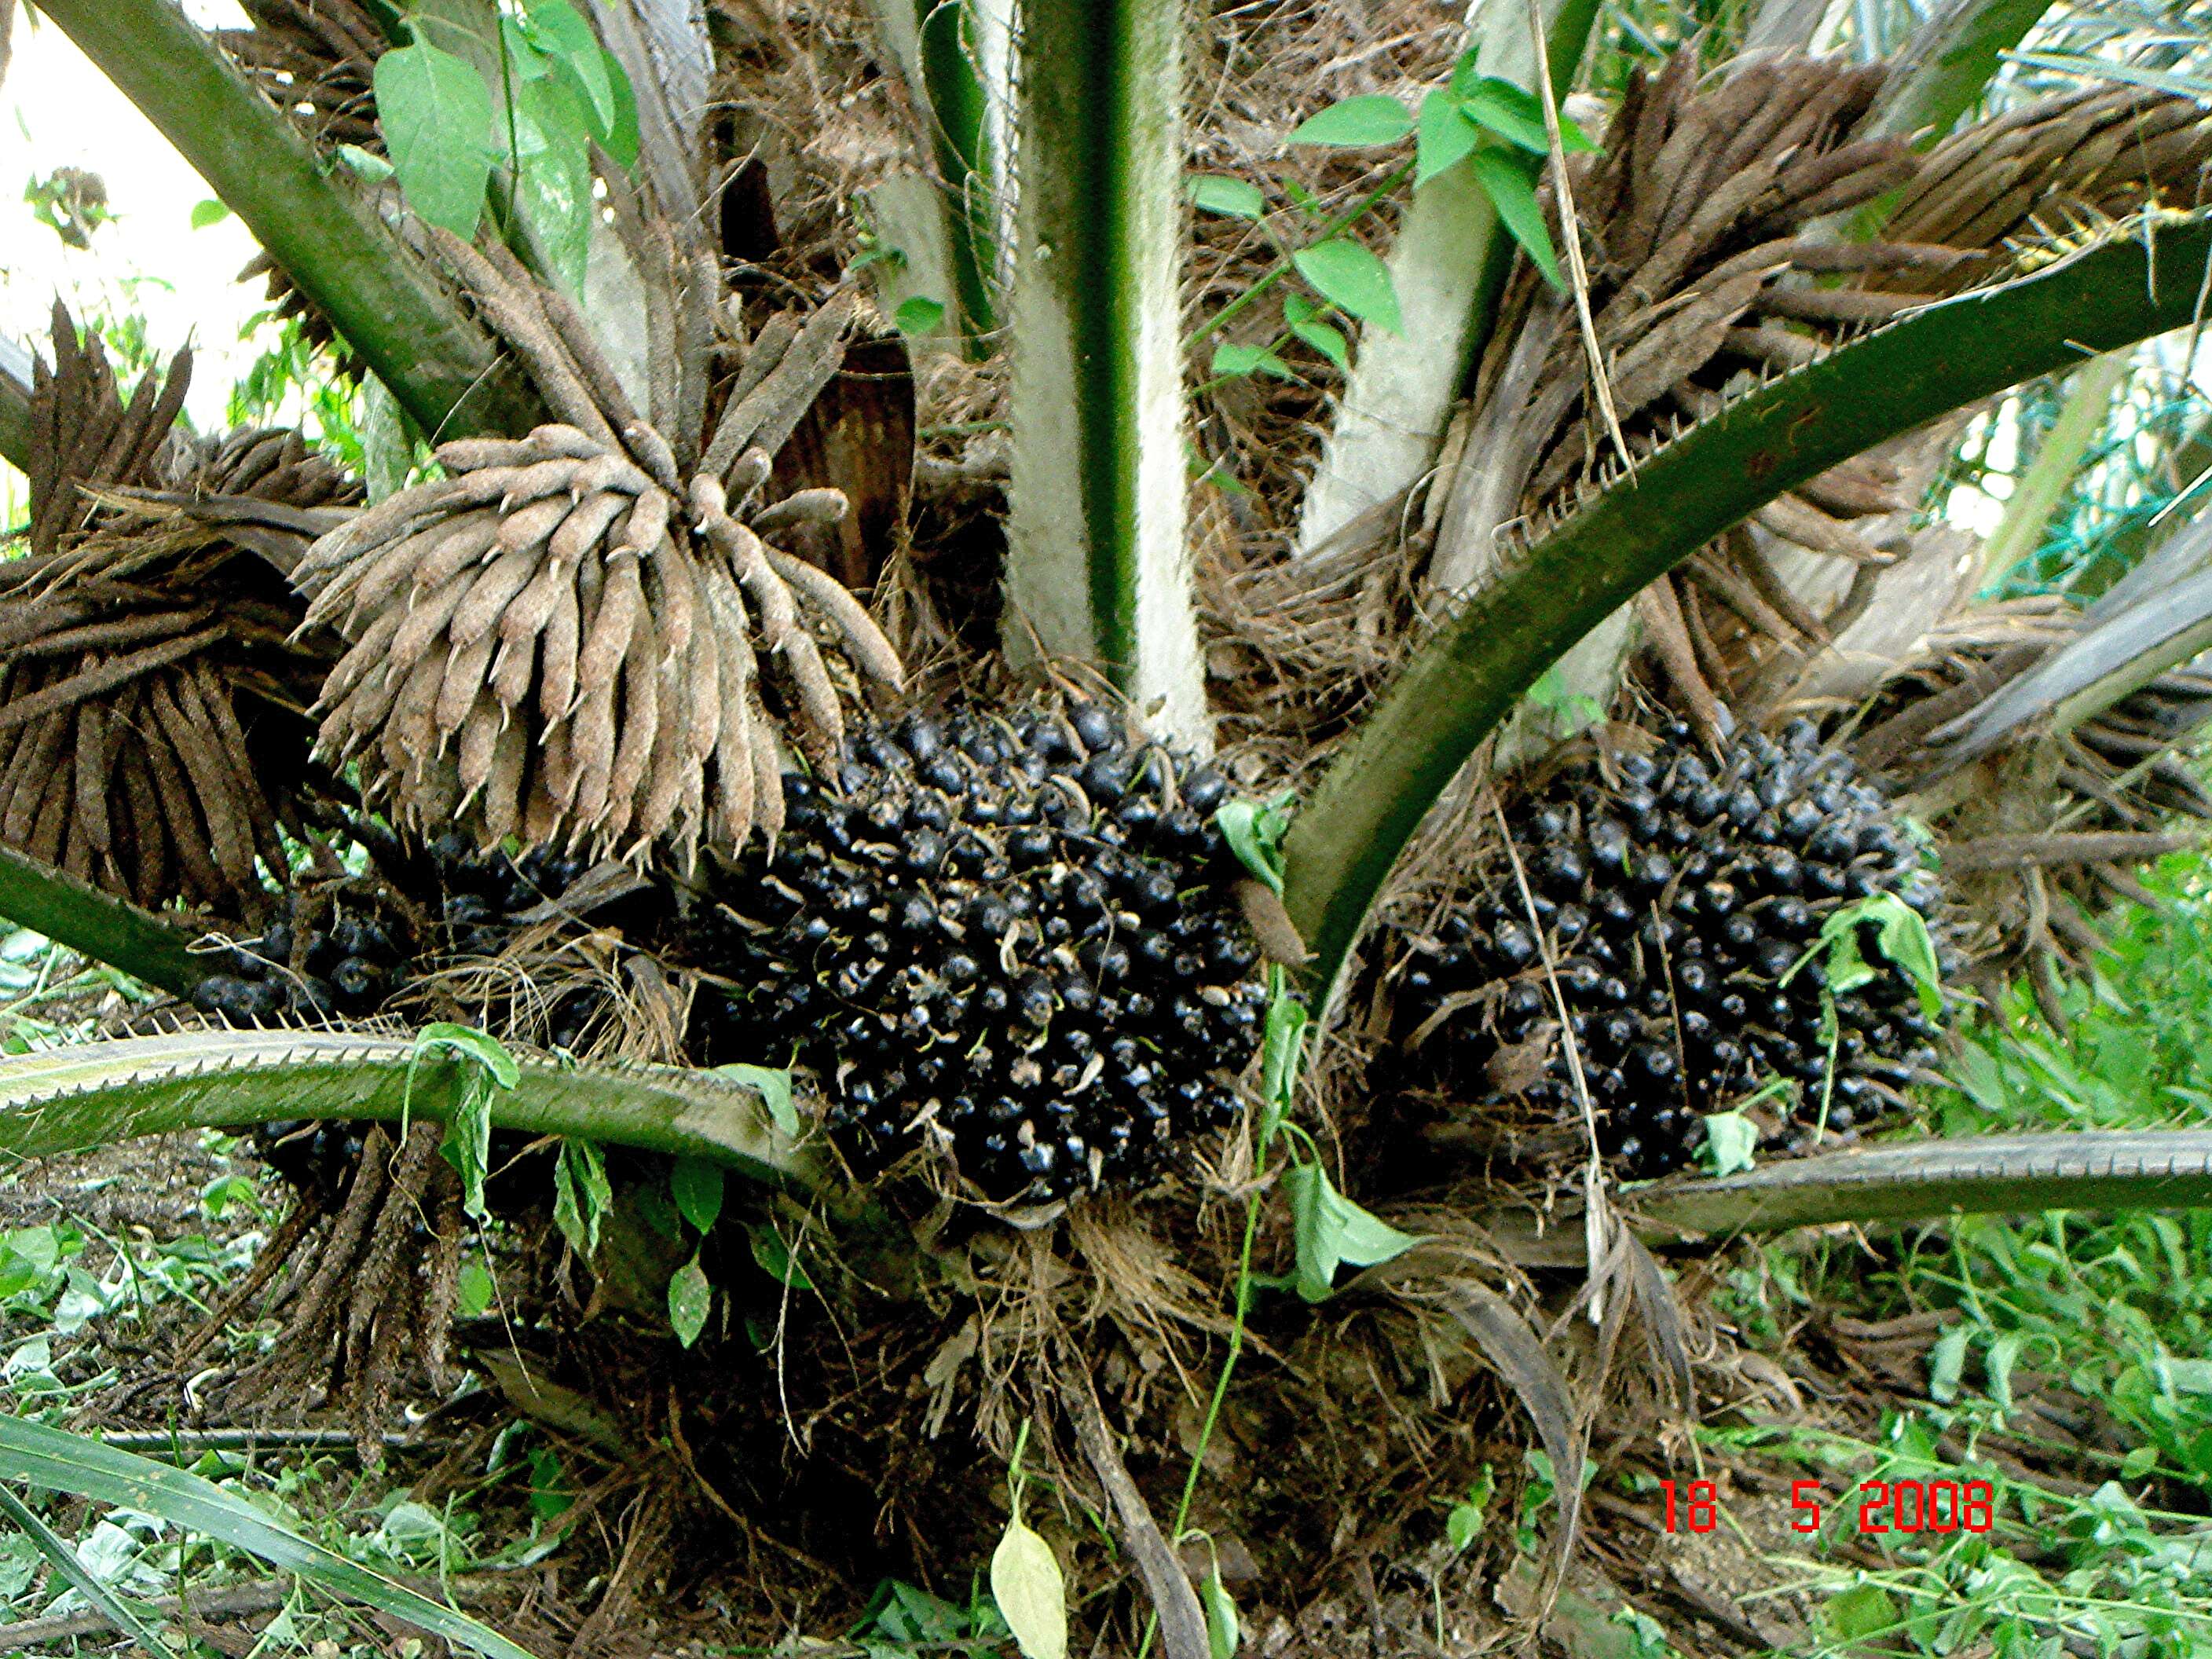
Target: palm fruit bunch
150,673
342,948
347,949
1682,903
1015,938
326,950
558,640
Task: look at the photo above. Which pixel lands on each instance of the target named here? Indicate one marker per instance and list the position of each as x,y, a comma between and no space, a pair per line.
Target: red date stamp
1884,1506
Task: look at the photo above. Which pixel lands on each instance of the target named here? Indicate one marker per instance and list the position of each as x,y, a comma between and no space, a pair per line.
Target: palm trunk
939,48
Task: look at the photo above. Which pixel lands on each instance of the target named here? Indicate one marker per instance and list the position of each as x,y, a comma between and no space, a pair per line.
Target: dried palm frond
84,435
2042,171
1710,267
2039,834
1695,215
558,640
150,689
316,60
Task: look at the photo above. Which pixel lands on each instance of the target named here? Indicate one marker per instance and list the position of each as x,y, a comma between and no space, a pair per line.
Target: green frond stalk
1905,1181
939,48
1097,570
97,926
1920,1179
384,301
1453,692
71,1099
1447,266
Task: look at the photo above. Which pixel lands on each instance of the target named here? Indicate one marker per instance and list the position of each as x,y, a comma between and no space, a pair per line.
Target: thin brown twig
1570,236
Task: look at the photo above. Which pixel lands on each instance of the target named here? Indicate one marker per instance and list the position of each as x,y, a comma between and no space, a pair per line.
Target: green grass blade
1456,689
56,1460
93,924
72,1098
55,1548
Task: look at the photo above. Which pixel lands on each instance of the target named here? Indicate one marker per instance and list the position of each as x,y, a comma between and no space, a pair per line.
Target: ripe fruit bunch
324,953
342,948
1013,937
1675,902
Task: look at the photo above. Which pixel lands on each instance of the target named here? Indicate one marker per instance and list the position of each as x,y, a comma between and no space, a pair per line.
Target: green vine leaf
437,115
1351,278
1443,137
564,35
696,1187
917,314
1255,831
1233,198
1355,123
1032,1598
1234,360
1731,1138
554,174
468,1136
1282,1056
775,1090
1517,117
1510,181
1221,1631
581,1194
1901,935
776,1259
1330,1230
690,1298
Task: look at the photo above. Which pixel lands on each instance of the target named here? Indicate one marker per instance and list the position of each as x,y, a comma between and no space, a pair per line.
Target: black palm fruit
1673,932
341,949
1012,935
328,952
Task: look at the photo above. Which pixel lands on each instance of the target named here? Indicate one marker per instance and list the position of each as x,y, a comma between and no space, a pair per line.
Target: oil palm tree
1645,375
